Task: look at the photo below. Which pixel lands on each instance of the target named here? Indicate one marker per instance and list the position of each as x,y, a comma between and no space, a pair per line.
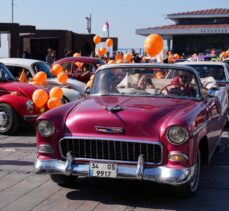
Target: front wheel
191,187
63,180
9,120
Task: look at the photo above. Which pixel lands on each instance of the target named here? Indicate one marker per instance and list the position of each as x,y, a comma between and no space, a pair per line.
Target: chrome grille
111,150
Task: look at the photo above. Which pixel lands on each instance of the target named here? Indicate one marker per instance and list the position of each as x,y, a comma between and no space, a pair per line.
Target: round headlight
45,128
30,105
177,134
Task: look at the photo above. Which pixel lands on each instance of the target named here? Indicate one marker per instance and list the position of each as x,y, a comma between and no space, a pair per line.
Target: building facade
36,41
195,32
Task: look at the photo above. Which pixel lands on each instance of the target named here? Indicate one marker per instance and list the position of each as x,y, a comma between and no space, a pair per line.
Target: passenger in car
108,83
145,82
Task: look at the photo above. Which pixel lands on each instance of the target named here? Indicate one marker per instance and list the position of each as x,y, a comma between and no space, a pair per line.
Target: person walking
49,58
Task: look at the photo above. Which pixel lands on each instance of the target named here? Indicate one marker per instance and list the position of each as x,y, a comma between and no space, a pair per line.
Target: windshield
41,66
5,74
215,71
146,81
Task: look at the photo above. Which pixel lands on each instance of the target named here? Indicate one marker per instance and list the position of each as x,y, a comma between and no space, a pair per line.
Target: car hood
139,117
23,88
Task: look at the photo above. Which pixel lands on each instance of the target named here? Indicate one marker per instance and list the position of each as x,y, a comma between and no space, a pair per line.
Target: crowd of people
119,56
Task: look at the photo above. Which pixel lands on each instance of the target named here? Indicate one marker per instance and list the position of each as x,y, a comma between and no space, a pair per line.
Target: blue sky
124,16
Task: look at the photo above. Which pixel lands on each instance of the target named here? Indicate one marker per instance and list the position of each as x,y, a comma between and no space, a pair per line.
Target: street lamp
88,24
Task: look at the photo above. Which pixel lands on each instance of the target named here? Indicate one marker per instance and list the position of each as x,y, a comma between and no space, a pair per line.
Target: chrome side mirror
88,91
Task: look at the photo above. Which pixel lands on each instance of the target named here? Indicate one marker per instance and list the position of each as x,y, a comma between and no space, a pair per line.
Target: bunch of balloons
101,51
55,94
40,98
57,70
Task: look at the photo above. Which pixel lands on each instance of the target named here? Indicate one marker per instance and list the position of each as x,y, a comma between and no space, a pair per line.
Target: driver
182,84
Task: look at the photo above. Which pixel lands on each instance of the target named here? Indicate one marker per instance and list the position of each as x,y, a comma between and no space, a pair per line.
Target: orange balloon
96,39
153,44
79,64
144,59
103,50
176,56
40,77
127,57
109,42
120,61
40,97
170,58
35,83
111,62
56,92
62,77
159,75
53,102
118,57
56,69
76,55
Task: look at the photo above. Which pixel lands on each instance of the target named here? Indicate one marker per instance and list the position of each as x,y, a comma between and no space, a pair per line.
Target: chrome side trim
199,128
31,117
159,174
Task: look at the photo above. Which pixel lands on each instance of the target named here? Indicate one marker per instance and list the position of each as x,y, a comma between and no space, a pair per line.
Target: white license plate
102,169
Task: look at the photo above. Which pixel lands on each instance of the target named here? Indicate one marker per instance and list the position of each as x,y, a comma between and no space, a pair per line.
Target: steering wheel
177,91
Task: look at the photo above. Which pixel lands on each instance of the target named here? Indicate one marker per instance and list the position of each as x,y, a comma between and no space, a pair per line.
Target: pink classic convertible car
135,124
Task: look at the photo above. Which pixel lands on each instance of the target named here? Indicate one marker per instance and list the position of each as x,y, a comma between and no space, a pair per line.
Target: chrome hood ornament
114,130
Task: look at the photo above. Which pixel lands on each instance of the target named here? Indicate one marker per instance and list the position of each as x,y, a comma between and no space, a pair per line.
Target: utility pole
12,11
88,24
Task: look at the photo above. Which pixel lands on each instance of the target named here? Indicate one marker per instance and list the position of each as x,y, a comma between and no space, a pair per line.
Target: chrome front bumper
158,174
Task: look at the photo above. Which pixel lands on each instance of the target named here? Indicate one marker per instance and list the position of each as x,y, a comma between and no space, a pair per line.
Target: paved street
21,189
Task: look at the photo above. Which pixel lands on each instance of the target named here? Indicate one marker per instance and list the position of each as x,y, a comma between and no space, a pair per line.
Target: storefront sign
216,30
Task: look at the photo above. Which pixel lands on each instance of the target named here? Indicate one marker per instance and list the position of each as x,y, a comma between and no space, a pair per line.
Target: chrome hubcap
3,119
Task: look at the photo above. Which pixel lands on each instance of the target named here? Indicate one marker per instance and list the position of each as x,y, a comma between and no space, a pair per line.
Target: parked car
202,57
16,105
218,70
226,60
80,68
134,126
73,90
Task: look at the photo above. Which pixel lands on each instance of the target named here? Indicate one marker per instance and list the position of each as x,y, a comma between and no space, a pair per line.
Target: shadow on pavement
130,193
16,163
